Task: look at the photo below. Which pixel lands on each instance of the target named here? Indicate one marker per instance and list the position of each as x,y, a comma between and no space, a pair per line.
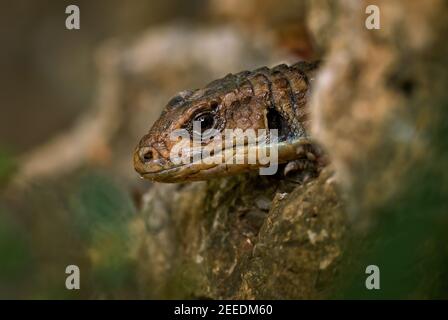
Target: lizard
265,98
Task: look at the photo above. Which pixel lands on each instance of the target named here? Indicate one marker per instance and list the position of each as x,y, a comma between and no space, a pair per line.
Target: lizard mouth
205,168
202,169
179,173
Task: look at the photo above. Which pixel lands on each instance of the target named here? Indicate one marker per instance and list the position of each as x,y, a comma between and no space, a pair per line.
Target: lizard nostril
146,155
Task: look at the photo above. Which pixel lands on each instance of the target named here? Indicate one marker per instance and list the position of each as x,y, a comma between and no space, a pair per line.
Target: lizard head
194,126
218,107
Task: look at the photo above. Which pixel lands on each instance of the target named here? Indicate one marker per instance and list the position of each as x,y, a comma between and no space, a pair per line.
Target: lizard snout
147,160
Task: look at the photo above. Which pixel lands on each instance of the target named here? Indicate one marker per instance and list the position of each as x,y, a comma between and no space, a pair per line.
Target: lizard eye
206,120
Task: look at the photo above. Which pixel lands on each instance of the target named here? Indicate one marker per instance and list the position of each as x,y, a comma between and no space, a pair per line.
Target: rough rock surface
247,237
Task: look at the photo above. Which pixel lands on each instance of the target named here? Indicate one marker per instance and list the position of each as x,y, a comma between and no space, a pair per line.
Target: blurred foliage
7,167
15,256
102,213
408,244
82,222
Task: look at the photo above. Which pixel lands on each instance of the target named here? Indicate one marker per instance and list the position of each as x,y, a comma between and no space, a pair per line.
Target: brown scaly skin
261,99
